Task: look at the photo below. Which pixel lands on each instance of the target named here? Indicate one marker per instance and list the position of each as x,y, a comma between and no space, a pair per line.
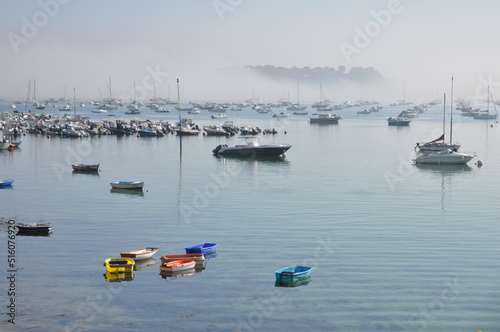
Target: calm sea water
395,247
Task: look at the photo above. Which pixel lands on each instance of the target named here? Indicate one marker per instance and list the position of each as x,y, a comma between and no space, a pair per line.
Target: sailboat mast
451,111
179,101
28,95
134,93
488,108
74,101
444,116
298,94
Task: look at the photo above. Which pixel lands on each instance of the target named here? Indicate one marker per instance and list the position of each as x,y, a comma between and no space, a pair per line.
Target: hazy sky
416,45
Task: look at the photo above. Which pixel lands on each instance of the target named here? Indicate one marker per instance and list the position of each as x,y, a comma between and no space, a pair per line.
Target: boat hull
436,147
324,121
33,228
140,254
398,122
252,151
119,265
178,265
293,272
198,258
85,168
4,146
444,158
6,183
127,185
201,248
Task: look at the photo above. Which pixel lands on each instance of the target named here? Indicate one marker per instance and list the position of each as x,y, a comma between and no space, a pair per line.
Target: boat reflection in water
87,173
292,282
141,264
40,234
198,268
210,255
178,274
118,277
281,158
129,192
445,168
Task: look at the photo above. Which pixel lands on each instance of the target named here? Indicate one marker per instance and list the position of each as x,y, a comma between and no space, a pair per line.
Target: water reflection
178,274
37,234
87,173
118,277
129,192
11,187
446,174
445,169
141,264
270,159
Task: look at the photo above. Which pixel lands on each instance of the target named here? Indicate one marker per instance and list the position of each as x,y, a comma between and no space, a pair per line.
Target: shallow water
394,246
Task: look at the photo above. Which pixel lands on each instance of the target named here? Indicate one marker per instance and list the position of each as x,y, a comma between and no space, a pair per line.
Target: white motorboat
485,116
219,116
398,121
216,131
4,145
281,115
252,149
99,110
365,111
444,157
326,118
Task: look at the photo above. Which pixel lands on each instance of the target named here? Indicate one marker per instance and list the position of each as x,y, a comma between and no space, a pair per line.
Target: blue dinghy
5,183
293,272
201,248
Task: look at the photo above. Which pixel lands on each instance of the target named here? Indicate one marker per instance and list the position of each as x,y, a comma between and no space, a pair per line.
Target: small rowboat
201,248
33,228
119,265
179,265
85,168
5,183
198,258
140,254
127,184
293,272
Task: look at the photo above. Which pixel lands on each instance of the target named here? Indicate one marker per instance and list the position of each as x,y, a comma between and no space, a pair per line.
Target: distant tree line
318,74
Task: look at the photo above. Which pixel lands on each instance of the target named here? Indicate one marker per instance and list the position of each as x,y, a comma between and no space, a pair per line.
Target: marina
384,236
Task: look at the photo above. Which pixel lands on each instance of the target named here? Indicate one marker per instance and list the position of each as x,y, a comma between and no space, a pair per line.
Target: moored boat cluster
122,268
13,124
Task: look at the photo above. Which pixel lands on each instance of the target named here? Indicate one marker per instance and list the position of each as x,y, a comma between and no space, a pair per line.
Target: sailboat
185,127
323,102
439,143
133,107
297,107
486,115
444,155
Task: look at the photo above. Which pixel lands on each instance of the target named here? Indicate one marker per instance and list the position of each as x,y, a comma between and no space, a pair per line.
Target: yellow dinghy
119,265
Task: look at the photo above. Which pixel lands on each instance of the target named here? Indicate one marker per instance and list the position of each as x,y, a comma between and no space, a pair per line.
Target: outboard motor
217,149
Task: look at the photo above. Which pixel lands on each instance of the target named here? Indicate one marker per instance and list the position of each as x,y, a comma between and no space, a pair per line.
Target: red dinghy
179,265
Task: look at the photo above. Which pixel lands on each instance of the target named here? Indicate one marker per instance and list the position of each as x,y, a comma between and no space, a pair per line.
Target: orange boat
178,265
198,258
